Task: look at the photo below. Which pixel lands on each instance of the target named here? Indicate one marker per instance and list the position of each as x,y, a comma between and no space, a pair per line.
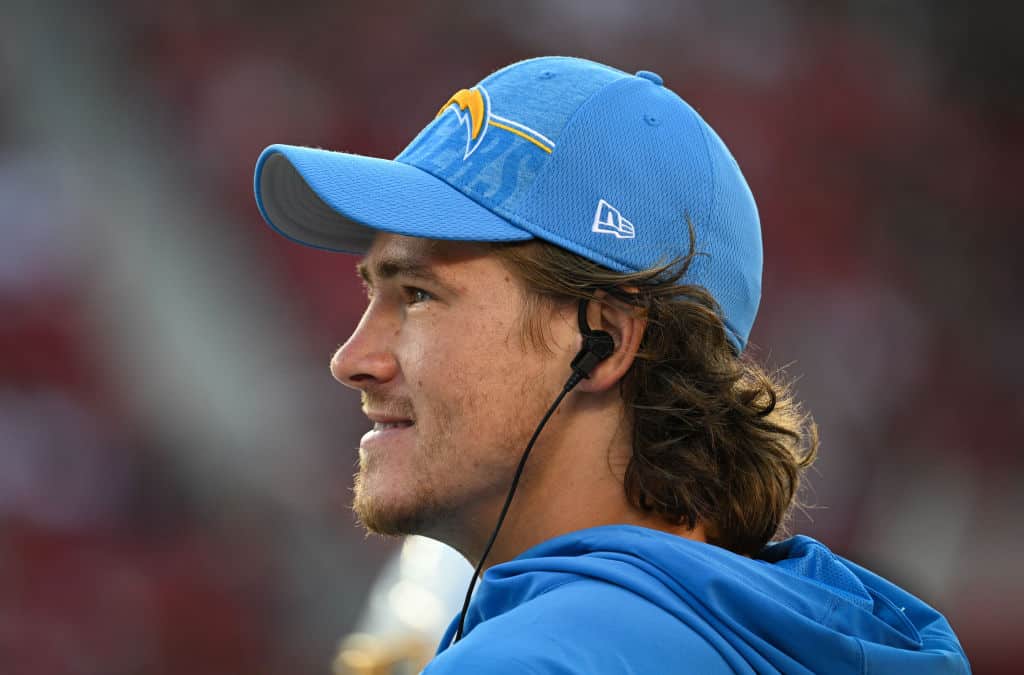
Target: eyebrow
391,267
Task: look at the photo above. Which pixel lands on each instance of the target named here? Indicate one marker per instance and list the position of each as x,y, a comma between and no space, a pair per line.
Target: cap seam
572,118
727,321
711,169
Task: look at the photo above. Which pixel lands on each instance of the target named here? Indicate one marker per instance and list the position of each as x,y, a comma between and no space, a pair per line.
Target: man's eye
415,295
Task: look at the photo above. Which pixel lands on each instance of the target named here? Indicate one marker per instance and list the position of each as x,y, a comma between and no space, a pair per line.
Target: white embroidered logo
608,220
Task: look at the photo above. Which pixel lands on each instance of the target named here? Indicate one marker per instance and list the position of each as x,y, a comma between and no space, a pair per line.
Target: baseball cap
608,165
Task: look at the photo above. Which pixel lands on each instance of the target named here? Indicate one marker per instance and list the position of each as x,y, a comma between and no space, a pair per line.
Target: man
570,244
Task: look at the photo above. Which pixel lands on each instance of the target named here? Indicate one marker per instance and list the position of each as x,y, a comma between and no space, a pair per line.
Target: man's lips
381,426
386,422
378,417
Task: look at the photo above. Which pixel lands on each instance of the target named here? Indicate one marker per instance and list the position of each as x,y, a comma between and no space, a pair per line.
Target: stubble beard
435,502
390,520
415,511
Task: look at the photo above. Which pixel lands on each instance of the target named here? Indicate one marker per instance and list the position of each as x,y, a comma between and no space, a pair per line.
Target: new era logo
608,220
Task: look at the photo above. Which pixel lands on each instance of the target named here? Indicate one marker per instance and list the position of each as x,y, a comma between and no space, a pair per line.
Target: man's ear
626,324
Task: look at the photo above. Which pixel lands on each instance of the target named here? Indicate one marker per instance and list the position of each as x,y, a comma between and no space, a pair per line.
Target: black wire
574,379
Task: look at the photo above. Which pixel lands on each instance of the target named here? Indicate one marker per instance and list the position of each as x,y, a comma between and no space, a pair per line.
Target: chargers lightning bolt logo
472,107
478,103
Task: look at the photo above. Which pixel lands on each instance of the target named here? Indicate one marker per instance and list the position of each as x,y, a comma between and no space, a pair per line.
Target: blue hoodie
624,599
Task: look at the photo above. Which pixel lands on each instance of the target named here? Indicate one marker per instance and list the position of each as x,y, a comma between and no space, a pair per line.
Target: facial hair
447,478
422,506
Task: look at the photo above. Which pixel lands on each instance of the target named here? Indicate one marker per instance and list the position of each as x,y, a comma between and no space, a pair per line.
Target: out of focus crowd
174,460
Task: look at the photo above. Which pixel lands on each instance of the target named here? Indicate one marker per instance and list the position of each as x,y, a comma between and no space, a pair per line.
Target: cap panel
733,272
525,108
501,166
632,166
544,93
636,149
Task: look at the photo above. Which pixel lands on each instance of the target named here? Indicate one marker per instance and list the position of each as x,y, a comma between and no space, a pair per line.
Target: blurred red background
174,458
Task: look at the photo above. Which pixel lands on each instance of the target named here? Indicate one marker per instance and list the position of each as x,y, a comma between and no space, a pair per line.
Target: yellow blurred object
365,654
407,611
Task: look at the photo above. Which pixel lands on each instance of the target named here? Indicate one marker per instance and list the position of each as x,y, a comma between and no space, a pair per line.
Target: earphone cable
573,381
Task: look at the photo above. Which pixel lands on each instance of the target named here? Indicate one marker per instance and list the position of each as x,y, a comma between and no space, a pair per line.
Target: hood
796,608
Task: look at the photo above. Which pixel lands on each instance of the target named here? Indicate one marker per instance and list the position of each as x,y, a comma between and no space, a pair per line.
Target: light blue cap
605,164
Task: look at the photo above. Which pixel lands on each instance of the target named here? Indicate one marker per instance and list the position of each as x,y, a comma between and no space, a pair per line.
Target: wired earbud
597,346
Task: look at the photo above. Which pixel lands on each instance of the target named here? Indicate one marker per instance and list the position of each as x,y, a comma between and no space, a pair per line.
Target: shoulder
586,626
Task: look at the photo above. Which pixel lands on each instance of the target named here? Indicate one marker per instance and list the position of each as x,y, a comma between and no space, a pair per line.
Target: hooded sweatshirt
625,599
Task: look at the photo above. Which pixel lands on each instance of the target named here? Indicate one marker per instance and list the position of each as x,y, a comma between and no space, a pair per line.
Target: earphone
597,346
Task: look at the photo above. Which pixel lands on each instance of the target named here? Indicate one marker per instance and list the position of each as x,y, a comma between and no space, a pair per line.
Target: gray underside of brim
298,213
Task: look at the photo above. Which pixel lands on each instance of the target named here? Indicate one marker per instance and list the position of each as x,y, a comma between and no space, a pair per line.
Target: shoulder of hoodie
584,626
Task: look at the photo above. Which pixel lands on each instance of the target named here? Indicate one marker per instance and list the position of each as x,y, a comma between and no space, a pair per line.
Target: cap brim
337,201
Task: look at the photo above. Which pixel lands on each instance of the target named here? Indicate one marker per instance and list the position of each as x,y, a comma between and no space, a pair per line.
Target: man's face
452,388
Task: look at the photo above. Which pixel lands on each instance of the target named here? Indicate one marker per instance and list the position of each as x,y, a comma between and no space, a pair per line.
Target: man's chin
386,523
385,517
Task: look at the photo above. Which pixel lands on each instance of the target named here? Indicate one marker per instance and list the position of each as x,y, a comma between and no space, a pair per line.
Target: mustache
392,407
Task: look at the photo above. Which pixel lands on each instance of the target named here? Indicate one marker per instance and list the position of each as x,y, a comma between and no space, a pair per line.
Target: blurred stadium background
175,460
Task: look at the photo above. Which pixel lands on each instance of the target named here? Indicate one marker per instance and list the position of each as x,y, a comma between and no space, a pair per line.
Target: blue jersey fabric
624,599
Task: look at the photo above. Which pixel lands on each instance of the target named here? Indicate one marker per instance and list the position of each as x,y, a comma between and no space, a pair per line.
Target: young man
570,243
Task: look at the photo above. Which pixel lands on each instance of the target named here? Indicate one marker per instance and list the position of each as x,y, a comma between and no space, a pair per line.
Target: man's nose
366,358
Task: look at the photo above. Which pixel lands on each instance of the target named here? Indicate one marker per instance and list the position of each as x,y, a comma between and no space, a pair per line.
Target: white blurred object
411,604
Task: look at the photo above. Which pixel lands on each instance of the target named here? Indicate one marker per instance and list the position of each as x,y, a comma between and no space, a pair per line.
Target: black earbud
597,346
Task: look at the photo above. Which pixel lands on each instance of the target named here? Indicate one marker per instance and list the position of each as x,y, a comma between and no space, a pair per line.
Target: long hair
717,440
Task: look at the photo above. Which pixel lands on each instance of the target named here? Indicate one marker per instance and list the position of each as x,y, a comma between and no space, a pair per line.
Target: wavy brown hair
717,440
